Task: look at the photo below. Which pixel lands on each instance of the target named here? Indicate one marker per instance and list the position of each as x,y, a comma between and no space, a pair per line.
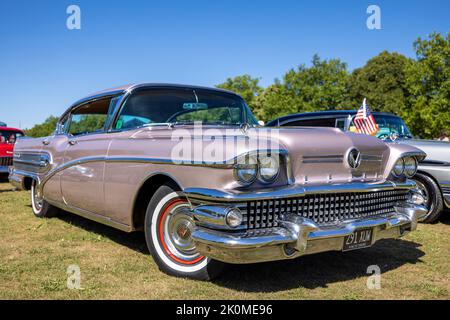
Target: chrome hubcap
177,230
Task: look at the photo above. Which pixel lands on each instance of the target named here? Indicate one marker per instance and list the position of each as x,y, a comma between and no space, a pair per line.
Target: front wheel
432,195
168,229
41,208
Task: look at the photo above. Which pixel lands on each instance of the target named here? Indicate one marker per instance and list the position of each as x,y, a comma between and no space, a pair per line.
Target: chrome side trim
127,159
92,216
434,163
213,195
36,162
227,164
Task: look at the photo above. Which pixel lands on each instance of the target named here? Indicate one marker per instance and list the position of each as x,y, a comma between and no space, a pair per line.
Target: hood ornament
354,158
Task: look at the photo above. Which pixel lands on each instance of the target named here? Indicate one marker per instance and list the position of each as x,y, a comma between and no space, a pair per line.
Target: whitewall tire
168,229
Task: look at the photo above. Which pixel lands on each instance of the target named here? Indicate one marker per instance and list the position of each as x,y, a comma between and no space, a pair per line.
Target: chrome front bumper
295,236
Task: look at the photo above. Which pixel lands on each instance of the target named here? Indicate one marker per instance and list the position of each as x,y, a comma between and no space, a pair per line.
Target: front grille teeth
6,161
324,209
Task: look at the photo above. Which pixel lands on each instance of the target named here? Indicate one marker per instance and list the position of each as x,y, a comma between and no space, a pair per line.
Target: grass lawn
35,254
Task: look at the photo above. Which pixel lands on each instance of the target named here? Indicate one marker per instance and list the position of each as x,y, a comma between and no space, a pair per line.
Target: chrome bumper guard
296,236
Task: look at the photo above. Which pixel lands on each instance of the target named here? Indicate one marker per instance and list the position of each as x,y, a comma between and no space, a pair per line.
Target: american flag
364,120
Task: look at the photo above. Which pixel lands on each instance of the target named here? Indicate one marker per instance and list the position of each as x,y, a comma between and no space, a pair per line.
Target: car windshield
9,136
388,125
183,106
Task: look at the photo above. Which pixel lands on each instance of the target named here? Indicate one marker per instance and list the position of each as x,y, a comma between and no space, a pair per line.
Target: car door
84,158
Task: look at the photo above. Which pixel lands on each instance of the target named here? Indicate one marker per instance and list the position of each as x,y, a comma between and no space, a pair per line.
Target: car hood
315,154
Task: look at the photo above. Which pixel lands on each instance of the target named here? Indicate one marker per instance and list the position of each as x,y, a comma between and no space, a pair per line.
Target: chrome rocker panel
300,236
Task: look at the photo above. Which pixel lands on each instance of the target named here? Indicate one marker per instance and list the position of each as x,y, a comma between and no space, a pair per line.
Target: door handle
46,142
72,142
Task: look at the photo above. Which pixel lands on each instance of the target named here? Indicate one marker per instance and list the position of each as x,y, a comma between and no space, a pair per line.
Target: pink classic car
191,168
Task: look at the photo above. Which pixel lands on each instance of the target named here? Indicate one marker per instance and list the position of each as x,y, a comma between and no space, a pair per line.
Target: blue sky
44,67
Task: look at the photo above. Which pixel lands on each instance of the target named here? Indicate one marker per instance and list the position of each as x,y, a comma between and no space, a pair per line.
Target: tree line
418,90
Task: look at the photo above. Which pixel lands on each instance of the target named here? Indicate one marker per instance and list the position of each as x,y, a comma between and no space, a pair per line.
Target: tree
382,82
245,86
428,83
44,129
320,87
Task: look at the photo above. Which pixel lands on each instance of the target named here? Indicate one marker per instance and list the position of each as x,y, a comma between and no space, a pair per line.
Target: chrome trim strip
323,159
212,195
228,164
42,163
420,155
433,163
127,159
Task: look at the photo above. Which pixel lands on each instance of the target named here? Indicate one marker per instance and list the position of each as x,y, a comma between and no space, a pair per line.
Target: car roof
11,129
131,87
328,113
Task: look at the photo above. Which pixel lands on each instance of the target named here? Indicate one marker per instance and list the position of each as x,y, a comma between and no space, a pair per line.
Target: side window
340,123
324,122
89,118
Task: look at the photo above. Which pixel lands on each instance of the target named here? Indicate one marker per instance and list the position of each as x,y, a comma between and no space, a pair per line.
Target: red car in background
8,137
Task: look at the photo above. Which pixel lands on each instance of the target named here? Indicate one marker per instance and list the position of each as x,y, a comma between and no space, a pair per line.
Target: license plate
359,239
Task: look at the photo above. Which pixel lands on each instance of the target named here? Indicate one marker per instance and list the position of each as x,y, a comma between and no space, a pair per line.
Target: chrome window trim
79,104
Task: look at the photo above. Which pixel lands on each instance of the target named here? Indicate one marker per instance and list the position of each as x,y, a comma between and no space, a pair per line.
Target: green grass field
35,254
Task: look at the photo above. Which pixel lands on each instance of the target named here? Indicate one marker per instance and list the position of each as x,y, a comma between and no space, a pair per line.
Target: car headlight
410,166
399,167
269,167
246,172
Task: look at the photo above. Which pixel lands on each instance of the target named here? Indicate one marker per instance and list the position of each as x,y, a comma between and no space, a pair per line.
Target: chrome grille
6,161
324,209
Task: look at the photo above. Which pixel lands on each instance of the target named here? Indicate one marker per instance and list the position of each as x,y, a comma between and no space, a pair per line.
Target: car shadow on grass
445,218
134,240
313,271
320,270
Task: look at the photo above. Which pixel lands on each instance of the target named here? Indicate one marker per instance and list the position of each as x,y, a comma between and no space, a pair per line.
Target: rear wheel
41,208
168,230
432,195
